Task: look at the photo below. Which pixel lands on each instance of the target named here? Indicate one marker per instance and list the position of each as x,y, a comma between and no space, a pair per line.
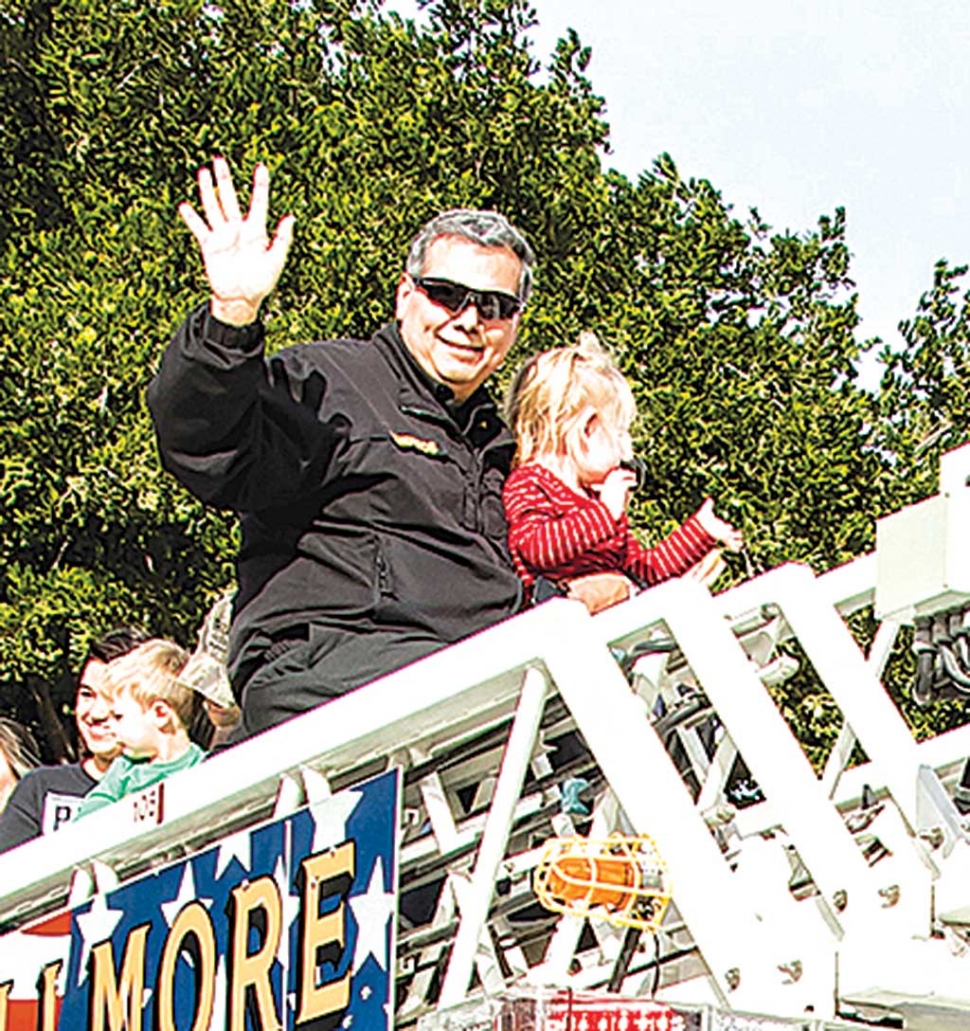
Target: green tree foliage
924,405
368,124
743,345
924,411
741,342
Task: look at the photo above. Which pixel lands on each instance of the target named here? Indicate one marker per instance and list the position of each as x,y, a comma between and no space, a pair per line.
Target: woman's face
93,712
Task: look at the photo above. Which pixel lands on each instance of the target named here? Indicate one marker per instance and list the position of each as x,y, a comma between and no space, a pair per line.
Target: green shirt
126,776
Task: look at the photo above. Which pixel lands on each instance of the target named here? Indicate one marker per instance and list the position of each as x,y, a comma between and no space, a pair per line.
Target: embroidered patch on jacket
409,442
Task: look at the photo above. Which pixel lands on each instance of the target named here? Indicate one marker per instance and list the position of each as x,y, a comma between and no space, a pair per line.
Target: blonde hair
149,673
549,394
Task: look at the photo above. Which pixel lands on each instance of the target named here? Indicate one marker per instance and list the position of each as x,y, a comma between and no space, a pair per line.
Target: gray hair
487,228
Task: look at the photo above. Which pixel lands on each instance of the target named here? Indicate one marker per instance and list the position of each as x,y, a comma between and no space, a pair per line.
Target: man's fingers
599,591
196,225
227,192
259,202
241,263
210,202
283,237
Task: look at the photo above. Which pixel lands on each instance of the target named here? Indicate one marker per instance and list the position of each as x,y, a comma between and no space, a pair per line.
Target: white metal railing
888,896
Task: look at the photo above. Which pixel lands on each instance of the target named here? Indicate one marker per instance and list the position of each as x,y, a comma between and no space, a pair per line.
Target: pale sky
797,107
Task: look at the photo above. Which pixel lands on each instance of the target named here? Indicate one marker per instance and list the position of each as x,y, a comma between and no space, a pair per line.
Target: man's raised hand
241,263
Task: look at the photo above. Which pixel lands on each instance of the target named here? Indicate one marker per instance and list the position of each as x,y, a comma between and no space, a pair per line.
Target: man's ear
405,287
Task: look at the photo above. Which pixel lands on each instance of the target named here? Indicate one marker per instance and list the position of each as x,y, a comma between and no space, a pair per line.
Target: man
47,798
367,475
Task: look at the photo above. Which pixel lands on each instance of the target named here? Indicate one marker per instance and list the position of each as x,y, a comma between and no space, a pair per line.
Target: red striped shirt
557,533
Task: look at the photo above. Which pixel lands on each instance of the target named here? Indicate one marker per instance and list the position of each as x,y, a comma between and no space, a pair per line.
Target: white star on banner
290,910
97,925
330,819
237,846
372,912
186,894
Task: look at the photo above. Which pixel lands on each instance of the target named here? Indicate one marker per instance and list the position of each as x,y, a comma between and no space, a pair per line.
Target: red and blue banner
289,925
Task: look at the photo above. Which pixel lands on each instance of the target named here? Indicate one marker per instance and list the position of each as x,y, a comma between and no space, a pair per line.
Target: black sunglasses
456,297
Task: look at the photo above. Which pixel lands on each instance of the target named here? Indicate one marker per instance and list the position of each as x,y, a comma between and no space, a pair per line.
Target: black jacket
367,499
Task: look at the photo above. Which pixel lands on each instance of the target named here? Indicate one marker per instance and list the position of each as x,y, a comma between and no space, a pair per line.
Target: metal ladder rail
760,733
745,951
843,669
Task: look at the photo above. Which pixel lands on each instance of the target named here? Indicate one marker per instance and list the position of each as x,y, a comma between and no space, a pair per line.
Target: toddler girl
571,410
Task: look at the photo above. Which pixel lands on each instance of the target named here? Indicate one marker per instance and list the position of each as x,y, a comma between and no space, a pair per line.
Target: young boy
151,713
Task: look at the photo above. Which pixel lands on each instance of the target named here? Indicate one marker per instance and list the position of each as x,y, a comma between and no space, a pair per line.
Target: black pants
296,672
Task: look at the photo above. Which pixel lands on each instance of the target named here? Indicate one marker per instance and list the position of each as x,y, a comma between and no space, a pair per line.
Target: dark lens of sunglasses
455,297
496,305
452,296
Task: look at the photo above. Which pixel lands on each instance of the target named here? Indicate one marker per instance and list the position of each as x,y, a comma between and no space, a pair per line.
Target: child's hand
731,538
614,491
708,569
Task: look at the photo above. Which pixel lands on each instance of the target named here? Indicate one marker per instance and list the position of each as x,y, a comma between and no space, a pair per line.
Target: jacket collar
419,393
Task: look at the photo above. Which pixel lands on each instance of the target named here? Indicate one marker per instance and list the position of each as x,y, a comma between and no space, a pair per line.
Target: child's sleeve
673,556
543,534
109,789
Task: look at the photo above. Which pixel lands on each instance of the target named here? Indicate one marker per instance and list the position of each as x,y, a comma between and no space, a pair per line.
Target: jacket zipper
383,575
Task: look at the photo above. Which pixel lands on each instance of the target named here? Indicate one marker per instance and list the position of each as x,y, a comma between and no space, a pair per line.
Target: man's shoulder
340,351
